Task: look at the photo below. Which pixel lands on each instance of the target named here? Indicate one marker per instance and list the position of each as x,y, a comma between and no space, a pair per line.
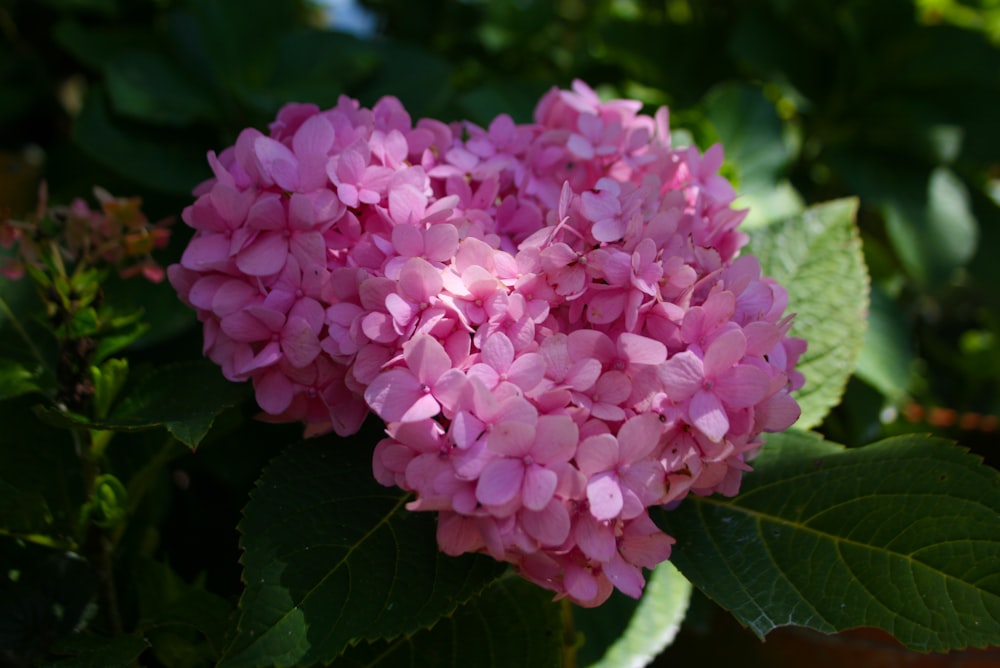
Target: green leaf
332,557
22,512
901,535
887,353
148,87
513,623
172,163
89,650
184,397
817,257
655,622
933,231
185,623
16,380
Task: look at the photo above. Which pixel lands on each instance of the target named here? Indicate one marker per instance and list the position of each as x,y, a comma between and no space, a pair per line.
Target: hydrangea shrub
552,319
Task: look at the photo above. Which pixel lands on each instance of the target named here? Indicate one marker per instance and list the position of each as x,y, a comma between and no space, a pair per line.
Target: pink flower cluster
551,318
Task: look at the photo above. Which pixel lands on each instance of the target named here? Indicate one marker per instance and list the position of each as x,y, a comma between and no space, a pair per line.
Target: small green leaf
817,257
332,558
901,535
108,380
16,380
513,623
108,505
655,622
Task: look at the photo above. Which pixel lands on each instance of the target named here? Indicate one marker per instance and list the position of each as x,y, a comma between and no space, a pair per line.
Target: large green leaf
170,162
902,535
332,558
817,257
932,229
513,623
145,85
655,622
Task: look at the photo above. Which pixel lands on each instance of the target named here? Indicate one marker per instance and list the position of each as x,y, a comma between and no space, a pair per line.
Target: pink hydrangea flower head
552,319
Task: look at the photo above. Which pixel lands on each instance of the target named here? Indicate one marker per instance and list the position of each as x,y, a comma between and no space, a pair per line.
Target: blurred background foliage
891,101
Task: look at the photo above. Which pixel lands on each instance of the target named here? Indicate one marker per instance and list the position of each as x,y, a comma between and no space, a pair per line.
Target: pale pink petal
682,375
441,242
639,436
724,352
708,415
512,439
538,487
427,358
392,393
500,482
605,496
556,438
641,349
527,371
597,453
498,352
419,280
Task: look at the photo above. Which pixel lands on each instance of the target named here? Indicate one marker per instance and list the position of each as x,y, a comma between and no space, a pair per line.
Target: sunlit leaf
332,558
655,622
901,535
817,257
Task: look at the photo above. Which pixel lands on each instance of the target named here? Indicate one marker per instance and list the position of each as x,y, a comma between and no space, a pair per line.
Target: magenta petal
539,486
205,252
500,482
243,327
274,392
265,256
742,386
299,342
596,539
627,578
549,526
605,496
267,213
708,415
277,162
